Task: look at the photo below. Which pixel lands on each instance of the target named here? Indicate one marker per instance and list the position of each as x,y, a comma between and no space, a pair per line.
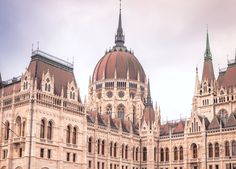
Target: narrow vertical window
42,129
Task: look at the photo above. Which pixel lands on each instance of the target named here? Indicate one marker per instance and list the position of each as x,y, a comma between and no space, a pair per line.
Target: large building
45,125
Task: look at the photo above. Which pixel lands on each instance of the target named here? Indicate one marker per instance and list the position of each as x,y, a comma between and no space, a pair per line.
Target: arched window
217,150
72,93
121,111
126,152
133,153
103,147
42,129
223,113
74,135
227,151
210,150
181,153
167,154
155,154
136,154
233,148
111,147
144,154
122,150
68,131
98,146
18,126
90,144
49,136
162,154
194,150
47,85
115,148
175,153
109,109
23,129
7,128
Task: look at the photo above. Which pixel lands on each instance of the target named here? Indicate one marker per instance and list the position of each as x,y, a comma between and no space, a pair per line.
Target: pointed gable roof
215,123
179,128
231,122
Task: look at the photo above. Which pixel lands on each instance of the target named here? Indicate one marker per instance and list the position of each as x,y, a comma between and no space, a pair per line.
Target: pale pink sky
167,36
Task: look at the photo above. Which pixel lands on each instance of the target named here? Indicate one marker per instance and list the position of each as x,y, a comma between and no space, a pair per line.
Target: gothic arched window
115,149
136,154
167,154
49,134
126,152
217,150
47,85
144,154
90,144
111,147
103,147
175,153
42,129
68,133
227,150
74,135
7,128
162,154
121,111
155,154
109,109
122,150
181,153
210,150
98,146
233,148
18,126
194,150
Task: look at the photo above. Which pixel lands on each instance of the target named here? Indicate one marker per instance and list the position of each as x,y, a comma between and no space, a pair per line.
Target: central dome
119,63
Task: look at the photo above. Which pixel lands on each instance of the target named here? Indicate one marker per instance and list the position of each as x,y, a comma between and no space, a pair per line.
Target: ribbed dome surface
121,61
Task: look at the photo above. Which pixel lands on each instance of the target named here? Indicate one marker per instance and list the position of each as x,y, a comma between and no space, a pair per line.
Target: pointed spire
207,54
149,99
120,38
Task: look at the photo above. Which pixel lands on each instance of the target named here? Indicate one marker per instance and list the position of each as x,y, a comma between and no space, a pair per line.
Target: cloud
168,38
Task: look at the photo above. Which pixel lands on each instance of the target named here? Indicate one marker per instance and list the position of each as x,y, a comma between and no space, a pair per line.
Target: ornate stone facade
44,124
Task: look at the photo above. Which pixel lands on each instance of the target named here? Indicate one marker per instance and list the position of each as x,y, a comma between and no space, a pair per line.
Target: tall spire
149,99
120,38
208,70
207,54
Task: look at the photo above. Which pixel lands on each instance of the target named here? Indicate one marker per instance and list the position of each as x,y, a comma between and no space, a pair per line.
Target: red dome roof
121,60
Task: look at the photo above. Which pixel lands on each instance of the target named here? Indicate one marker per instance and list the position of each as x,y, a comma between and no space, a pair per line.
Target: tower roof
148,112
208,70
